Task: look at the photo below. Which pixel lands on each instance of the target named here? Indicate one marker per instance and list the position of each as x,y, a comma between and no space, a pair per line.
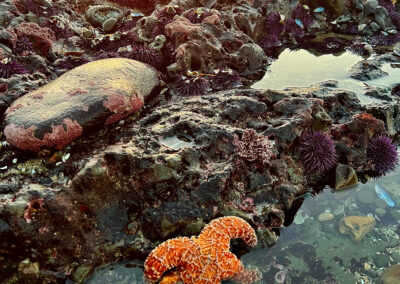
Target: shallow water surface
302,68
313,251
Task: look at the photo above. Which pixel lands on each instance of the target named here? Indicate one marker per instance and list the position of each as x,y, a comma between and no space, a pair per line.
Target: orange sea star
205,259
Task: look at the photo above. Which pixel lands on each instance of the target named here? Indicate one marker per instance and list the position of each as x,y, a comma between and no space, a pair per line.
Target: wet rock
377,92
388,113
391,275
345,177
92,95
356,226
382,260
366,70
97,15
41,38
372,10
109,24
172,218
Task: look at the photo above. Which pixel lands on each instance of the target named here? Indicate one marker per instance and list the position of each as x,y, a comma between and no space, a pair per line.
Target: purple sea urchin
317,152
296,31
270,41
382,154
191,85
9,68
147,55
225,79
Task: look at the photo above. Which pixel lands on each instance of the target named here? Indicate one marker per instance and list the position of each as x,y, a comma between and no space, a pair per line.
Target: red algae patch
58,113
121,106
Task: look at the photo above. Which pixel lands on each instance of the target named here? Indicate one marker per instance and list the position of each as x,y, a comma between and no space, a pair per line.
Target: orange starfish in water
205,259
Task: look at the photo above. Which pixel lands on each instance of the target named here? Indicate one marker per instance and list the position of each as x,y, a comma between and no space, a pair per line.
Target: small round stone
86,32
366,197
367,266
326,216
380,211
109,24
379,203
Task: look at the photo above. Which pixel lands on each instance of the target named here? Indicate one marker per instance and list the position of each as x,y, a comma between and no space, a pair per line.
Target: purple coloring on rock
9,68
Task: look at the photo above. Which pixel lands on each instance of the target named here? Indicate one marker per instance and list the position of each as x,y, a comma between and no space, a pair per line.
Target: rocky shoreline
195,151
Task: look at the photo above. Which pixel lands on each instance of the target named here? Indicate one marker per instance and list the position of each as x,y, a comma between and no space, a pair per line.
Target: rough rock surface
92,95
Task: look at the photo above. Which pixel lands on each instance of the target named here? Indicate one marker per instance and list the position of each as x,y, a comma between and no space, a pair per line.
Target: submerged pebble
326,216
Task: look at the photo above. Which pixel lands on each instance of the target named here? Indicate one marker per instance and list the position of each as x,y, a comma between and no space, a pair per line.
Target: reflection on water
312,249
301,68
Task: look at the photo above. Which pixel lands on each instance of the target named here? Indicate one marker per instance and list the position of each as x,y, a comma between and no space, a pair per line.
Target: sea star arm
226,228
165,257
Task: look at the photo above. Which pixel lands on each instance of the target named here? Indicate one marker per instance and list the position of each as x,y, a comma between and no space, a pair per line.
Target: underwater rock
345,177
356,226
326,216
90,96
366,197
391,275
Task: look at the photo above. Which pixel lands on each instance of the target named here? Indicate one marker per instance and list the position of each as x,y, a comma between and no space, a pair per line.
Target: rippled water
301,68
313,251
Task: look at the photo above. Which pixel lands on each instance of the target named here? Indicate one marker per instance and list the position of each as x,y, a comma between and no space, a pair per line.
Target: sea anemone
303,14
147,55
191,85
382,154
9,68
317,152
23,44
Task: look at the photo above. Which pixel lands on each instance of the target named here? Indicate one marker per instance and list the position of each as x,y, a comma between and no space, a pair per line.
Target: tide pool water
301,68
313,251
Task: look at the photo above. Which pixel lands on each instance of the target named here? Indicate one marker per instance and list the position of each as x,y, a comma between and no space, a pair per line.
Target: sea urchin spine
382,154
317,152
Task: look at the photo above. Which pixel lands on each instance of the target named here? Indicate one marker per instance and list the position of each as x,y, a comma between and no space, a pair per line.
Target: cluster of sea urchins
10,67
382,154
317,152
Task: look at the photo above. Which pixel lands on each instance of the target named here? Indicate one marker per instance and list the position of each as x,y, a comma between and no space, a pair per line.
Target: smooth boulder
87,97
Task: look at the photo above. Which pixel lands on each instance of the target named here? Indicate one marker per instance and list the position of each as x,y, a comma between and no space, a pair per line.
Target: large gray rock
90,96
